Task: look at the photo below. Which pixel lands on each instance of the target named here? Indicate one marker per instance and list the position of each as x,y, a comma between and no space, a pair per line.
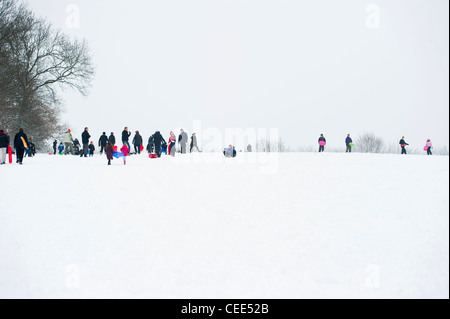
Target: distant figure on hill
429,146
348,143
322,143
403,144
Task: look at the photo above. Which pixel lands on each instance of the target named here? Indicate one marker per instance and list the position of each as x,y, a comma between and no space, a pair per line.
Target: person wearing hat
403,145
68,142
4,143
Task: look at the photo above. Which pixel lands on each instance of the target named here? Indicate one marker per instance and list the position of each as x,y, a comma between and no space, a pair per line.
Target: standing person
91,149
85,140
322,142
125,137
112,139
249,148
109,150
348,142
182,140
137,142
403,144
150,145
102,142
429,146
20,144
68,142
55,145
172,141
194,142
125,150
158,140
4,143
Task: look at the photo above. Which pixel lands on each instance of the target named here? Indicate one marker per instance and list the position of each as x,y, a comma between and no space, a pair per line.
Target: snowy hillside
304,225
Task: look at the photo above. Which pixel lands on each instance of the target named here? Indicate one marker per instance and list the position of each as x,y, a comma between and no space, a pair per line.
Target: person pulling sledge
403,144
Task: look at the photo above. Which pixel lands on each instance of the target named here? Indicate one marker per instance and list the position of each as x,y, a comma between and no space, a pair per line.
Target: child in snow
109,150
61,148
55,146
91,149
125,150
429,146
172,141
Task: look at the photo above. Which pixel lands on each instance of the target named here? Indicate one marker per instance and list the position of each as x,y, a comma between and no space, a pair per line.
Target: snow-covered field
303,225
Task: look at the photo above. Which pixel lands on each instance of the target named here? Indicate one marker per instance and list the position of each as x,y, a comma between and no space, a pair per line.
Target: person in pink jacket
429,146
125,151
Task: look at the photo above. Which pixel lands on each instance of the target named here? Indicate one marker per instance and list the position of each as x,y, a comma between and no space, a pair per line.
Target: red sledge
142,148
10,154
152,155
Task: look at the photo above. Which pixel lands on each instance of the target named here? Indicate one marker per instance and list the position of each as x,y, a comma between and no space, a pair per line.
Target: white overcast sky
303,66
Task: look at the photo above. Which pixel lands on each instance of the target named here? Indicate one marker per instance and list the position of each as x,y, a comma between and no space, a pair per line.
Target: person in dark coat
403,145
112,139
109,152
20,144
91,149
55,145
137,142
348,141
323,140
125,137
150,145
76,147
85,140
4,143
158,140
102,142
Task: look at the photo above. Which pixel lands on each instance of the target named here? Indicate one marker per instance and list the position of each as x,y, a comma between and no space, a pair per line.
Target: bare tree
369,143
36,62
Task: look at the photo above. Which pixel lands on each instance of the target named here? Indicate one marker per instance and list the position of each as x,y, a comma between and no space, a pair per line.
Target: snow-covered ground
303,225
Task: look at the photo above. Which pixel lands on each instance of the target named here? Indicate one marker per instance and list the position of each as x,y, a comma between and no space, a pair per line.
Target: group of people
349,144
156,145
22,146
